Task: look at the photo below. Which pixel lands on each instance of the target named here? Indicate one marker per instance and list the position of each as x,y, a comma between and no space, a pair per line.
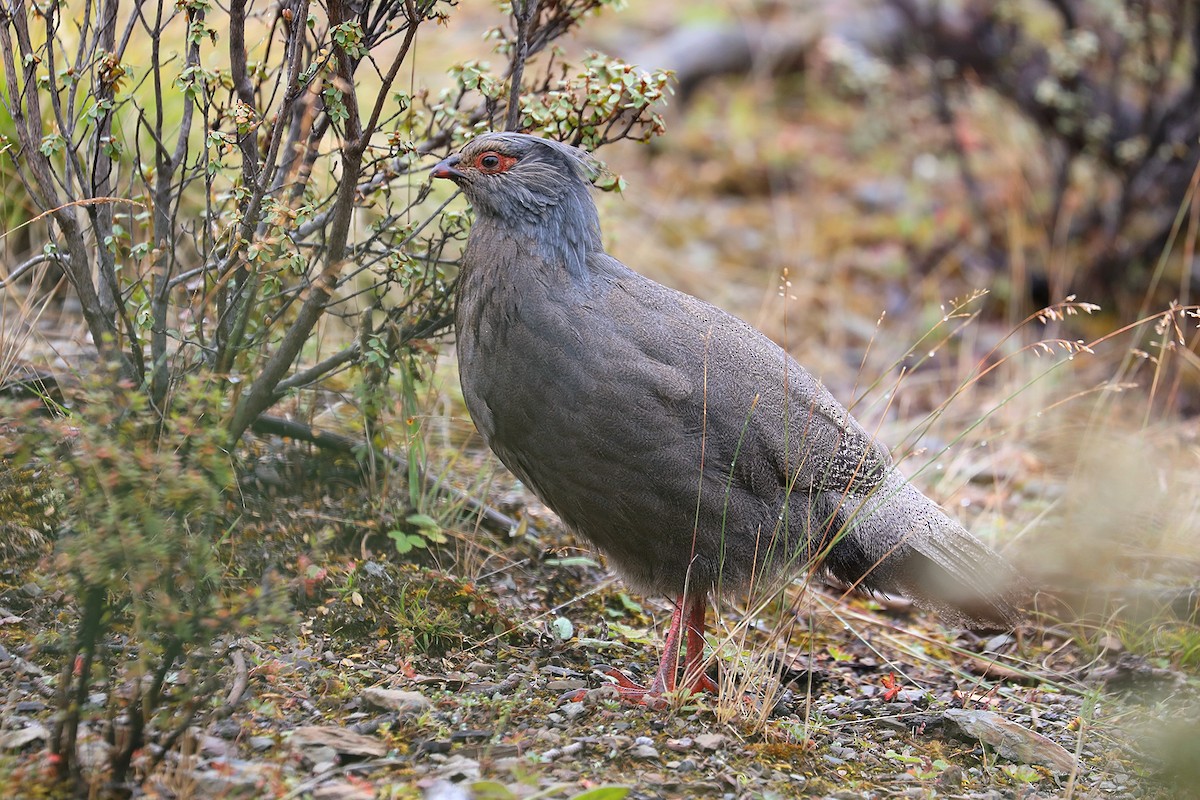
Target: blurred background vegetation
976,219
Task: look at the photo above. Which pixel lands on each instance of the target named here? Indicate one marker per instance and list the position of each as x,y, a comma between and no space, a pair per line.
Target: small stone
261,743
601,694
951,777
232,778
687,765
843,752
460,768
644,752
710,741
15,740
680,745
396,699
227,729
997,642
213,747
572,710
342,790
445,790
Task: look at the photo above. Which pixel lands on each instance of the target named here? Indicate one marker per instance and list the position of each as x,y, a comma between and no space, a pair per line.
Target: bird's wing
755,398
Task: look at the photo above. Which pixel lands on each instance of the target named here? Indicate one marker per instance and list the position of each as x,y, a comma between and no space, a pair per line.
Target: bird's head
519,178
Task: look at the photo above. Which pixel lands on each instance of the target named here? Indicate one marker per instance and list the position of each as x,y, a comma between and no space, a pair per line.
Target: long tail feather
898,540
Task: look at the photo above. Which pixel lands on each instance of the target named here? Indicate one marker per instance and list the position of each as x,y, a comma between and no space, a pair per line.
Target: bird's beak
446,168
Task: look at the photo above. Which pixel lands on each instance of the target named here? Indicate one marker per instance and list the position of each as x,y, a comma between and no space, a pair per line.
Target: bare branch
524,12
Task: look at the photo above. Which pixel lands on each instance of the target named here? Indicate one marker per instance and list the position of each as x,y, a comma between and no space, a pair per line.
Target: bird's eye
493,162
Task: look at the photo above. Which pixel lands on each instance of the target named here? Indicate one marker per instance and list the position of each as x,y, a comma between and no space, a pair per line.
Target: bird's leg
664,679
694,676
688,616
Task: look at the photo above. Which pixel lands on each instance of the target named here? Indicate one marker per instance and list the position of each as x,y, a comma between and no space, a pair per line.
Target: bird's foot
655,694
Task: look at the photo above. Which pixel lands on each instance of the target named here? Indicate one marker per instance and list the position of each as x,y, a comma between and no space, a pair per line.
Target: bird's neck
560,235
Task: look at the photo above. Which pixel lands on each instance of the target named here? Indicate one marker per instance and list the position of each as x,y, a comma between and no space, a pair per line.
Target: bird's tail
898,540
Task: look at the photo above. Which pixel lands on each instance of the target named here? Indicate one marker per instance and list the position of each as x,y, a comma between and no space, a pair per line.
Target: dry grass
1055,435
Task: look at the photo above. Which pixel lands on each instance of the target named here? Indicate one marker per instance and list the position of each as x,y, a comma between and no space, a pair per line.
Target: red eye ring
490,162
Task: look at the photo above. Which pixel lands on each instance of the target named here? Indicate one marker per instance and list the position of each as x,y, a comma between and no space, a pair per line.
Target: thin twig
524,12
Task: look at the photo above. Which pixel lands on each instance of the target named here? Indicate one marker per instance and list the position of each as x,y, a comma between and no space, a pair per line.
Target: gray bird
688,447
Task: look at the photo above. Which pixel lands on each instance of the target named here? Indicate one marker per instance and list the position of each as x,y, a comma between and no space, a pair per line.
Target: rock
445,790
342,790
460,768
601,694
644,752
396,699
951,778
15,740
1010,739
213,746
572,710
710,741
233,778
313,740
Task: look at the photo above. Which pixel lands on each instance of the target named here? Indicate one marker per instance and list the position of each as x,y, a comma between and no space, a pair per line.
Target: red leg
664,679
693,663
694,610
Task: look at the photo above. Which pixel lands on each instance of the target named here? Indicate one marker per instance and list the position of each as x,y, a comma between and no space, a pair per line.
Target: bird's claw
653,695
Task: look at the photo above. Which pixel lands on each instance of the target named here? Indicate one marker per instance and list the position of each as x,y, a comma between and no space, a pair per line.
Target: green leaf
403,545
629,604
422,521
491,790
603,793
562,628
52,143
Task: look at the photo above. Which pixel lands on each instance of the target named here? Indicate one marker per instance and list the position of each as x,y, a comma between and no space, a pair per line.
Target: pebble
396,699
565,685
645,752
